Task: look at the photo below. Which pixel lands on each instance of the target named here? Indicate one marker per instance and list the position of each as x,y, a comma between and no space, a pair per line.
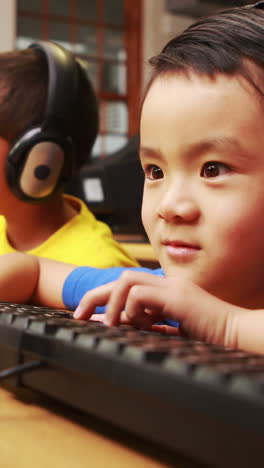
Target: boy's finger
118,299
97,318
166,329
143,308
96,297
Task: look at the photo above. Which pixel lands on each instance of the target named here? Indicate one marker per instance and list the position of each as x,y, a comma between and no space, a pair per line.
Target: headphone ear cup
42,169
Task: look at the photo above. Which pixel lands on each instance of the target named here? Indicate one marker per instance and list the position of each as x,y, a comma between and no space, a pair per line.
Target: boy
202,145
59,226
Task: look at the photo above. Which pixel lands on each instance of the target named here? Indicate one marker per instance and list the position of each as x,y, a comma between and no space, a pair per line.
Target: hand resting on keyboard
143,299
139,298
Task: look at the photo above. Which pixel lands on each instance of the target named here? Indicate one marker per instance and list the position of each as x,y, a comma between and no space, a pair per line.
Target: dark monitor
112,188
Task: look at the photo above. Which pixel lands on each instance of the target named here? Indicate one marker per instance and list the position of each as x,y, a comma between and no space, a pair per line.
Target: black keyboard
202,401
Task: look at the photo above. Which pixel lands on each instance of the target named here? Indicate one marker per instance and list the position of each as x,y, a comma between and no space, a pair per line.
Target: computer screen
112,187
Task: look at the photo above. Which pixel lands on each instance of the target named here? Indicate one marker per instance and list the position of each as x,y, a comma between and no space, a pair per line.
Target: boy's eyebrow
220,144
198,148
143,150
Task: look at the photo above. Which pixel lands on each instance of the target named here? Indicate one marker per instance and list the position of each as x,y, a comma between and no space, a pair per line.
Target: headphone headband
42,159
62,86
258,5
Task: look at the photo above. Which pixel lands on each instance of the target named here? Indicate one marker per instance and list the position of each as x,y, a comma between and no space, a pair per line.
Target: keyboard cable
21,368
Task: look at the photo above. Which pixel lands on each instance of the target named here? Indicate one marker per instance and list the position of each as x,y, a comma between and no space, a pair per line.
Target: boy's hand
142,299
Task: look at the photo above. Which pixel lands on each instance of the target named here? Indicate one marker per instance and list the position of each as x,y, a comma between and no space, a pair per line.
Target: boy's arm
18,277
51,279
142,300
28,279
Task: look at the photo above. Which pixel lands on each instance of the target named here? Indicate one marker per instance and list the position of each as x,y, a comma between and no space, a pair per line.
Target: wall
158,28
7,24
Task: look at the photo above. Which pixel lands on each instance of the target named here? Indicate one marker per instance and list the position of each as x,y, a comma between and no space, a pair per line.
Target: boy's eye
214,169
153,172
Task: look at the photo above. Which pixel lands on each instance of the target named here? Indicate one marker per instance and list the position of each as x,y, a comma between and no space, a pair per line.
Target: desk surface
141,251
34,428
137,246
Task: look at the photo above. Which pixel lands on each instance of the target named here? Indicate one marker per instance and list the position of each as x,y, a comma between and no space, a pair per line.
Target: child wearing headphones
49,122
202,145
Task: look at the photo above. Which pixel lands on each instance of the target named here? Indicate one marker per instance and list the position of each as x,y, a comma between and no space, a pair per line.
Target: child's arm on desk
29,279
37,280
18,277
147,299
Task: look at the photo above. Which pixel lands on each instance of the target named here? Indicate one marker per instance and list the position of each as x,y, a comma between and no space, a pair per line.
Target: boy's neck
30,225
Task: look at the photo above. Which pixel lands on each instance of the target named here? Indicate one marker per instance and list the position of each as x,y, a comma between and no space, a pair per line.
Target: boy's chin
178,271
209,284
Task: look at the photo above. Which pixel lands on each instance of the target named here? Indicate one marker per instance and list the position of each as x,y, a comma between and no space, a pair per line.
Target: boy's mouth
180,243
181,250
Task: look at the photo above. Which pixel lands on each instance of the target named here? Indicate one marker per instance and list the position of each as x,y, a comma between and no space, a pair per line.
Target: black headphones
259,5
42,159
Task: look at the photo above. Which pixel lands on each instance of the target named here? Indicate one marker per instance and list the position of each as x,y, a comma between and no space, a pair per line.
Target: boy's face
202,150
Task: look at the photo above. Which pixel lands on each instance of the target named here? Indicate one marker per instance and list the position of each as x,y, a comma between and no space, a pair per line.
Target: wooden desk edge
140,251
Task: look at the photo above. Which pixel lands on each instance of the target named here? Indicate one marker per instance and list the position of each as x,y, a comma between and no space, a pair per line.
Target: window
106,36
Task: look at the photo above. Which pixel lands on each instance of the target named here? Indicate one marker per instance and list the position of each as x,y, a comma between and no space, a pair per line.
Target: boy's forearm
49,287
19,275
29,279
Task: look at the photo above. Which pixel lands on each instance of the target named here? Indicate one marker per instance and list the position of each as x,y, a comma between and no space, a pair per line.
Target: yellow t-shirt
82,241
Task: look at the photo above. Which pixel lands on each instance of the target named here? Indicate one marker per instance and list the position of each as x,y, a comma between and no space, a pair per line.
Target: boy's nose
178,205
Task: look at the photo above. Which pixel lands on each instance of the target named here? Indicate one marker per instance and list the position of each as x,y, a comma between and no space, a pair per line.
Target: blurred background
113,38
